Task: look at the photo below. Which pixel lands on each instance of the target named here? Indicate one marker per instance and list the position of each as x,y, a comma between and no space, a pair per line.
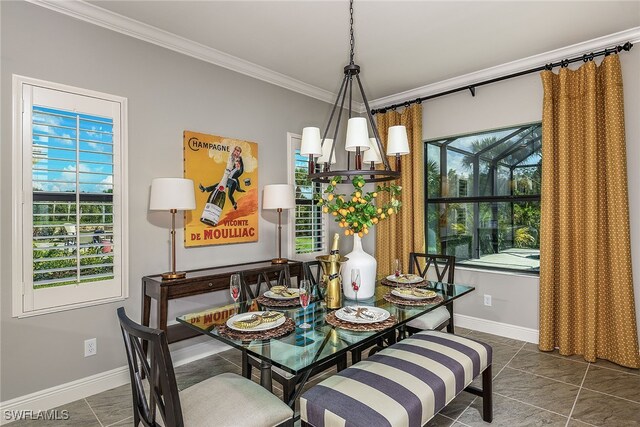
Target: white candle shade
276,196
310,144
172,193
372,155
326,150
357,134
398,143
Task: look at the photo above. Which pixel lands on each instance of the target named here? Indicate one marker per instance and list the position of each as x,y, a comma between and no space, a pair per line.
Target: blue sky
55,145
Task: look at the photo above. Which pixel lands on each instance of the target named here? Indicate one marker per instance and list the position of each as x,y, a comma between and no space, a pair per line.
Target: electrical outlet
90,347
487,300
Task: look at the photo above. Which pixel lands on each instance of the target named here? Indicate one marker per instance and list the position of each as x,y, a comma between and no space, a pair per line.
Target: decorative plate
362,314
407,279
289,293
414,293
263,326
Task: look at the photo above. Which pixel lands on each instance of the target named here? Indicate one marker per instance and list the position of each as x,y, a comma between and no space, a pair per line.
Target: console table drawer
198,287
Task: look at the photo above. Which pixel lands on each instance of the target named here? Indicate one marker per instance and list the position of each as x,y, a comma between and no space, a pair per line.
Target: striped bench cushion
405,384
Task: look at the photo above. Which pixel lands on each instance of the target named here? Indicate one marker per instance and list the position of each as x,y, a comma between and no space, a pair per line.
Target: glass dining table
304,350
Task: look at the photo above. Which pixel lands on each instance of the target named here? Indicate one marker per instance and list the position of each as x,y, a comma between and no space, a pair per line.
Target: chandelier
366,151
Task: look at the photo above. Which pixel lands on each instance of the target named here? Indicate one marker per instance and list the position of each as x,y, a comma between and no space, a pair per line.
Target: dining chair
278,273
444,267
313,271
224,400
275,274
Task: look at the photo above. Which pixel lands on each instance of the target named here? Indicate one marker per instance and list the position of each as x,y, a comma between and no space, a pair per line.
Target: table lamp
172,194
279,197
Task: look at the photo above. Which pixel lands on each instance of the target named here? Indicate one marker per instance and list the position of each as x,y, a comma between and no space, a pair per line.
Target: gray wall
512,102
167,93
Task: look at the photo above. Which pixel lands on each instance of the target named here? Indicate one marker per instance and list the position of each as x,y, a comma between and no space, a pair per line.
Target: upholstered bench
405,384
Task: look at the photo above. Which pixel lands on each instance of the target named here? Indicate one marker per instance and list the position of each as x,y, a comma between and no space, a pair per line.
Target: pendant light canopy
322,149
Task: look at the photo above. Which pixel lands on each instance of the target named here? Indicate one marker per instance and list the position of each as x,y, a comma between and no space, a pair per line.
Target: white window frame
70,296
293,143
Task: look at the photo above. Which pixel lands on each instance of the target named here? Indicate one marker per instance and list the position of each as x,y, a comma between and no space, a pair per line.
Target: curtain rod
472,88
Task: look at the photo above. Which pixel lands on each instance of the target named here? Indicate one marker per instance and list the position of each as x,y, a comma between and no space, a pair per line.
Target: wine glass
304,292
355,282
396,267
234,287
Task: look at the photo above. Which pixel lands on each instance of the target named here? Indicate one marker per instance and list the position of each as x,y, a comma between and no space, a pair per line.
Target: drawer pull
210,285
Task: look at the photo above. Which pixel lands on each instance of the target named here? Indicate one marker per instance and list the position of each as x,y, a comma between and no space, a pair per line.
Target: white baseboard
79,389
65,393
496,328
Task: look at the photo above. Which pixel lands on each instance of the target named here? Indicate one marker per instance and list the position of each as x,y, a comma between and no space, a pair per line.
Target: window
69,236
483,198
308,226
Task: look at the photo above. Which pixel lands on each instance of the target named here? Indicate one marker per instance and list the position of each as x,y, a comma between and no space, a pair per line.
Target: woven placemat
287,327
403,285
412,302
270,302
362,327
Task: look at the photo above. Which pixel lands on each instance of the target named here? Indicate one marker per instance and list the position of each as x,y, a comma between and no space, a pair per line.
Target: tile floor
531,388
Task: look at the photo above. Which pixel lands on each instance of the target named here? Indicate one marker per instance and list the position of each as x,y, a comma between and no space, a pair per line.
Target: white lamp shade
372,155
276,196
326,150
398,143
357,134
310,144
172,193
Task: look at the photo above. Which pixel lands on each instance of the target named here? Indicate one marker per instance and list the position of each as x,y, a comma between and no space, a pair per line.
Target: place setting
257,324
280,296
360,317
398,279
413,296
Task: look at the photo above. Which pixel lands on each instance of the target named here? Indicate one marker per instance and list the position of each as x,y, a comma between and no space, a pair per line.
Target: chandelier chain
352,40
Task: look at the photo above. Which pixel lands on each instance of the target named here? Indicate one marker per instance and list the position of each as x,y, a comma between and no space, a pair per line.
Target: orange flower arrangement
357,212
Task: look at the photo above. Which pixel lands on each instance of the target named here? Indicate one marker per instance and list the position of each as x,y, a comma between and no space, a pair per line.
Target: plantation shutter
309,225
72,156
73,199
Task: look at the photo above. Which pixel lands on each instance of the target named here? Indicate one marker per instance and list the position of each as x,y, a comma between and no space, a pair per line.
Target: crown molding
90,13
96,15
631,34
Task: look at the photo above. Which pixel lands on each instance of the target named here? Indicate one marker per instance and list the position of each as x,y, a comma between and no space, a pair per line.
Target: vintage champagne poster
225,174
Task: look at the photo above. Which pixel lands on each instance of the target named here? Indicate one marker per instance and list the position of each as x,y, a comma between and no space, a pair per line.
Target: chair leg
450,328
288,423
487,395
342,363
288,387
246,366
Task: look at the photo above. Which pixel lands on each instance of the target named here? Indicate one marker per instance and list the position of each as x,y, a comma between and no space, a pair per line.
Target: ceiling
400,45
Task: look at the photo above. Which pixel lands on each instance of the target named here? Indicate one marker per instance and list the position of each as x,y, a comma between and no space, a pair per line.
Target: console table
198,282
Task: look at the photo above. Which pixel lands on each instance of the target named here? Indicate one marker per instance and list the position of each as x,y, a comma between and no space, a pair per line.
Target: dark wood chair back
162,400
444,265
313,271
278,273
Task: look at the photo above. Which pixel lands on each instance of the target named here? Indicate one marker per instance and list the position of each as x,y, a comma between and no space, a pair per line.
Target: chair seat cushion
231,400
404,385
431,320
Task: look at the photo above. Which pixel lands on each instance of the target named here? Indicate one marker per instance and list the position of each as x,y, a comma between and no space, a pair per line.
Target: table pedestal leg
265,375
265,368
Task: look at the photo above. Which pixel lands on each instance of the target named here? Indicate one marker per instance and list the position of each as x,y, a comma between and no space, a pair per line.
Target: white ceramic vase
358,258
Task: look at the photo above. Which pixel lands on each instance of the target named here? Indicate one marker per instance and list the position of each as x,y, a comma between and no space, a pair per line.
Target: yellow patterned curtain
586,287
403,233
